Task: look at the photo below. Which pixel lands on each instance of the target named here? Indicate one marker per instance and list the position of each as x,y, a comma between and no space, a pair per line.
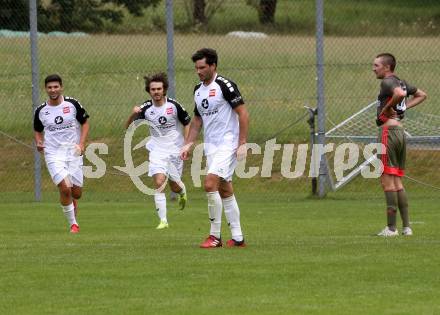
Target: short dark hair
157,77
388,59
208,53
53,78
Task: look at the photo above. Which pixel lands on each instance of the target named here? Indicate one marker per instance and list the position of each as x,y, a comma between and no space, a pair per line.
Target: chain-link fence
272,58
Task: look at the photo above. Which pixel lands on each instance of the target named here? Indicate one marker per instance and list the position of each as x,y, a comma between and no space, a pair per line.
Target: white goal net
422,132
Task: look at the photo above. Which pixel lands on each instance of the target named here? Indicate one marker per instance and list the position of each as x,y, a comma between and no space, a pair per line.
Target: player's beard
55,97
206,78
158,97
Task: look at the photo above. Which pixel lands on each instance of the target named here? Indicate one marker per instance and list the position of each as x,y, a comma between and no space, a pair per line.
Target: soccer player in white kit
220,109
61,127
168,122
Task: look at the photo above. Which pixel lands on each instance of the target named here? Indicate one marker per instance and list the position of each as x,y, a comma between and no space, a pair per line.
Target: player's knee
76,194
65,192
210,186
175,187
398,186
159,184
225,193
212,183
386,186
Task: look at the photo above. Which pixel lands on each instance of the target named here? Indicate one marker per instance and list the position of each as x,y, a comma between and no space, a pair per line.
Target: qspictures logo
293,162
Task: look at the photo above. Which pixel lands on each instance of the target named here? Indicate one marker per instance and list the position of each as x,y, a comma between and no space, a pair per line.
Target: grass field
304,256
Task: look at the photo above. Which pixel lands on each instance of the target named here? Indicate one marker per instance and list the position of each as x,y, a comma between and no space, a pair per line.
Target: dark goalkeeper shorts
393,160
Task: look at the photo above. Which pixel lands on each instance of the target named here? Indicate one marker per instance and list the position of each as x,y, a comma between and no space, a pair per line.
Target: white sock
215,212
232,213
70,214
161,206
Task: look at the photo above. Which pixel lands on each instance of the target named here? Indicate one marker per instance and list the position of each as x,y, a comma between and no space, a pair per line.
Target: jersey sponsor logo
55,128
210,113
58,120
212,93
162,120
46,113
66,110
205,103
151,112
169,111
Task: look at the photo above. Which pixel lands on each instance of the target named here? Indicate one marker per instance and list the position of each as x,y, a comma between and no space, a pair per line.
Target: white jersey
61,125
165,123
214,103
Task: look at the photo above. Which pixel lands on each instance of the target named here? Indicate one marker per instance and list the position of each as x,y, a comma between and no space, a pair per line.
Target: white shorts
222,162
71,170
170,165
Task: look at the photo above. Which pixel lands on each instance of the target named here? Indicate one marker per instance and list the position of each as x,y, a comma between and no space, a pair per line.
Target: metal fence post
35,90
170,49
320,94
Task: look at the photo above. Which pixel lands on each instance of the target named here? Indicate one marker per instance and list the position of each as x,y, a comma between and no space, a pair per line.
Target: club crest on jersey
162,120
205,103
169,111
212,93
66,110
58,120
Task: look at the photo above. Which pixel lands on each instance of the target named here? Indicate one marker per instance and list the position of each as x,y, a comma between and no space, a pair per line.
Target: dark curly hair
157,77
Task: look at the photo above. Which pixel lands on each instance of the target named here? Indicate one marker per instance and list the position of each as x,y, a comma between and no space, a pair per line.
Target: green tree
90,15
266,10
69,15
200,12
14,15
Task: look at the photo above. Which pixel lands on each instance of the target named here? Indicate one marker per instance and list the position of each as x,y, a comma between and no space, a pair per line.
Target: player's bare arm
186,131
136,110
85,127
417,98
39,142
243,119
194,130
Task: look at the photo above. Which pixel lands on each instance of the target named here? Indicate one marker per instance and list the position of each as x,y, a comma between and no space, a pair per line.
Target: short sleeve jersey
214,103
165,124
61,125
387,87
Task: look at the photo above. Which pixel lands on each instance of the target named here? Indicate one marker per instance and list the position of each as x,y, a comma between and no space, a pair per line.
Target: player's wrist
189,144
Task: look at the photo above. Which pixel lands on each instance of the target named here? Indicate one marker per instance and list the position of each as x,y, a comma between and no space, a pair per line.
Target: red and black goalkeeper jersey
387,87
